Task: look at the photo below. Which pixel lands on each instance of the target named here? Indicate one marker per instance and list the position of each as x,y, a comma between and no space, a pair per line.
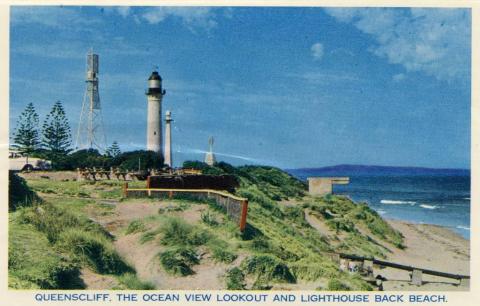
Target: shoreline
444,227
428,246
391,218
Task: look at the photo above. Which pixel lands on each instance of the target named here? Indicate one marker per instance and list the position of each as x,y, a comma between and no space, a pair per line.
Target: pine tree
56,131
26,136
113,150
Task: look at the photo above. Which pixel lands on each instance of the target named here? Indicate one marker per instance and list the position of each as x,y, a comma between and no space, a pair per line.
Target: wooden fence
235,207
367,264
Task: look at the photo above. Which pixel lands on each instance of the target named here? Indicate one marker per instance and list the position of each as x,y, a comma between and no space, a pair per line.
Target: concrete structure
155,95
90,132
209,156
321,186
168,139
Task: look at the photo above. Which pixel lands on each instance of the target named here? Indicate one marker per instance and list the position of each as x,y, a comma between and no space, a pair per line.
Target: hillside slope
184,244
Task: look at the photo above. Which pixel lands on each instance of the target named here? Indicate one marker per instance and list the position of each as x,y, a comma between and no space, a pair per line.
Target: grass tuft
131,281
179,260
235,279
178,232
135,226
93,250
268,268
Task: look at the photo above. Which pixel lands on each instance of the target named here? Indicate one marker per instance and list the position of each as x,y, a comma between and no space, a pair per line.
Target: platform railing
235,207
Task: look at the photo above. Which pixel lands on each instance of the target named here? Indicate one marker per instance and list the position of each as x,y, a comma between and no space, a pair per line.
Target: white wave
381,212
463,227
428,206
393,202
466,199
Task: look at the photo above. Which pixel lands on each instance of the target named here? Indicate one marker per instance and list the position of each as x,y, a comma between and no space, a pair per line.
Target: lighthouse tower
154,94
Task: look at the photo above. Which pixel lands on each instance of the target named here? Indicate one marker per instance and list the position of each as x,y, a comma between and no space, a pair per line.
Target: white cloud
326,77
192,17
124,11
75,50
433,41
317,51
51,16
398,77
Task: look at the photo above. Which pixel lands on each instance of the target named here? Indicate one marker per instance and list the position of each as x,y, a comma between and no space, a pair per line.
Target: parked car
22,162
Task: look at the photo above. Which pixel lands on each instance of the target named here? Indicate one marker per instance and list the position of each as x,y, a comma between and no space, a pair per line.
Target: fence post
170,194
416,277
243,219
465,282
125,190
368,267
148,182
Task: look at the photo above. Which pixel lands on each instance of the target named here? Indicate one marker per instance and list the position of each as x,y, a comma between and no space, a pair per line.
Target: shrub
177,232
131,281
297,214
222,254
94,250
19,194
135,226
33,263
209,219
268,268
148,236
179,260
260,244
341,224
336,285
50,220
235,279
253,194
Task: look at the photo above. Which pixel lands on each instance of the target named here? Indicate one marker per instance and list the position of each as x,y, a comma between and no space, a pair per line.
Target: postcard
250,153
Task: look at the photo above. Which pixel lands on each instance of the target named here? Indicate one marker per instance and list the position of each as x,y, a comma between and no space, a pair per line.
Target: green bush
148,236
222,254
297,214
235,279
260,244
131,281
336,285
209,219
34,264
268,268
19,193
178,232
135,226
50,220
341,225
94,250
179,260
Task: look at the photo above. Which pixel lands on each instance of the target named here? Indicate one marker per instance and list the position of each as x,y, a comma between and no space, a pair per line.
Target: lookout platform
321,186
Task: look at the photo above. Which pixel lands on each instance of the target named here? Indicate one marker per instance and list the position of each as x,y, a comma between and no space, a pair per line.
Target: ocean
432,197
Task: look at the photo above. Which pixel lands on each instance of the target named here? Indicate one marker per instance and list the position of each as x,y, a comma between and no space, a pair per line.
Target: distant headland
374,170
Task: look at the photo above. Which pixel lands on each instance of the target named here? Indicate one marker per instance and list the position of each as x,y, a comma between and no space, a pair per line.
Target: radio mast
91,133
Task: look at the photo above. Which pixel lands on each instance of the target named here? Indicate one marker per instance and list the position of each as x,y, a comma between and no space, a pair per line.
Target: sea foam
394,202
428,206
381,212
463,227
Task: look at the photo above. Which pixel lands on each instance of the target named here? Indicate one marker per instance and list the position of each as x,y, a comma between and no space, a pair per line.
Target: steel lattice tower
91,132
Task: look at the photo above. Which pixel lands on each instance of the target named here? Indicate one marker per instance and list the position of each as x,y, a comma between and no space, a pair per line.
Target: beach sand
429,247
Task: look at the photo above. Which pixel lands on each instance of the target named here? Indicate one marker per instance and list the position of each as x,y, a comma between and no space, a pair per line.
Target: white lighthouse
154,94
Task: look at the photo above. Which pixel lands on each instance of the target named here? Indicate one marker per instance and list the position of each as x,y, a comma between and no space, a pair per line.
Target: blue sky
290,87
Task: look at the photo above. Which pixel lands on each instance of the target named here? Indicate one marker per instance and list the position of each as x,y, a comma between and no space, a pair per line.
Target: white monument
209,156
168,139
